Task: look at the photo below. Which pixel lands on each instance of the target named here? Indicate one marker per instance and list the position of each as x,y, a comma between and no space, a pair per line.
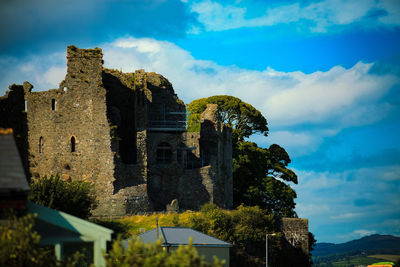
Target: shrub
19,246
153,255
73,197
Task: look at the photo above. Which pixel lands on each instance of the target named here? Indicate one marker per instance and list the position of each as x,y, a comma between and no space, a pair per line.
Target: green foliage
141,254
241,116
19,246
194,122
256,171
175,220
213,221
245,228
119,228
73,197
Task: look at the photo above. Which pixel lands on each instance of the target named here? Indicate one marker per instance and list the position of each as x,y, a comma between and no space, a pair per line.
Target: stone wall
68,130
295,231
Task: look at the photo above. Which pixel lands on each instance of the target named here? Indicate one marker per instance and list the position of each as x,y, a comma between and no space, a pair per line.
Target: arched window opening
73,144
41,145
164,153
53,104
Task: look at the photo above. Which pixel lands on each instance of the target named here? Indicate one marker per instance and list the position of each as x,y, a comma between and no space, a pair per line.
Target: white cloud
293,142
313,181
392,7
143,45
322,14
358,198
356,234
54,75
308,210
42,71
315,97
392,174
347,216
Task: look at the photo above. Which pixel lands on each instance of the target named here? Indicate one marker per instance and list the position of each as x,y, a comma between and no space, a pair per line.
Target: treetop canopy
241,116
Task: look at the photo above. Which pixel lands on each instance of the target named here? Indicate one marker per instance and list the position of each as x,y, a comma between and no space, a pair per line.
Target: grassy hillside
364,251
346,261
392,258
373,244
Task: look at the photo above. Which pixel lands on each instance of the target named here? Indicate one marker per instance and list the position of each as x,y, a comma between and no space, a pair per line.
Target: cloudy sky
326,75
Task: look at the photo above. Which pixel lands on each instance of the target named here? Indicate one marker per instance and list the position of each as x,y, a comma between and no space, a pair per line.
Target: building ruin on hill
124,132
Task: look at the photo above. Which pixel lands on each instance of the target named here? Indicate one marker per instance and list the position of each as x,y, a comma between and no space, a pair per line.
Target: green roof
57,227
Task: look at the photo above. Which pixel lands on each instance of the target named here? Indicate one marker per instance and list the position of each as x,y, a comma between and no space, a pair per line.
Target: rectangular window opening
53,104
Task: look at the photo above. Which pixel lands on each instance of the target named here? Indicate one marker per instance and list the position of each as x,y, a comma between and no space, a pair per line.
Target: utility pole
157,228
266,248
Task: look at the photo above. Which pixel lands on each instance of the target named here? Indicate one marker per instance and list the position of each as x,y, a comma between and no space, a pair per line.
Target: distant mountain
386,244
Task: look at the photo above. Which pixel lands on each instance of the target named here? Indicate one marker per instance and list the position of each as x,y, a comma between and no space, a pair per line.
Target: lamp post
266,248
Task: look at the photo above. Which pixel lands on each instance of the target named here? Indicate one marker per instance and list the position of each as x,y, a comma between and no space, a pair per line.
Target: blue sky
326,75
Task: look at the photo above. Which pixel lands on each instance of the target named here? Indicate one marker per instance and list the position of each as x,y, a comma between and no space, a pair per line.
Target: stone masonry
123,132
295,231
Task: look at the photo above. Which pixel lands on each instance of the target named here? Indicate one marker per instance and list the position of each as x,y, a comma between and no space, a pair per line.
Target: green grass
392,258
353,260
360,260
133,225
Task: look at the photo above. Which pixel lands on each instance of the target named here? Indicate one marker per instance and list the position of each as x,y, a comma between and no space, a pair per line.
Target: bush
246,228
153,255
73,197
19,246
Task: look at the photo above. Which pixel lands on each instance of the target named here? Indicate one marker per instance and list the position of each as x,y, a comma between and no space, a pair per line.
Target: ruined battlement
75,52
295,231
125,133
84,68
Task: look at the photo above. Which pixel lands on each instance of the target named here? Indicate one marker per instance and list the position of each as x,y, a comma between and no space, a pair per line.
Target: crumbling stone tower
125,133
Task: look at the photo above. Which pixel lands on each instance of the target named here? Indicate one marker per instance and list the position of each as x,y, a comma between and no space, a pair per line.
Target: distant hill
373,244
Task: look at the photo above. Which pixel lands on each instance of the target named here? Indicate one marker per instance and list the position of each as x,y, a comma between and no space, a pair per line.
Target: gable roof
175,236
12,176
58,225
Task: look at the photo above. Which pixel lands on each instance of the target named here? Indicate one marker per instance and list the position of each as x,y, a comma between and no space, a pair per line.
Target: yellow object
6,131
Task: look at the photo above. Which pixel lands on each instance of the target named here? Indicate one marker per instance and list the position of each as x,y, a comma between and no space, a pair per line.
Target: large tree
257,172
241,116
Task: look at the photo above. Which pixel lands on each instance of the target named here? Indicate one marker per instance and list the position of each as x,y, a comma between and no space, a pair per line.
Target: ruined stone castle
124,132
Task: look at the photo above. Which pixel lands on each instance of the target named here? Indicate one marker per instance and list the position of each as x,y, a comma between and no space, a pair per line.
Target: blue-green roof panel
175,236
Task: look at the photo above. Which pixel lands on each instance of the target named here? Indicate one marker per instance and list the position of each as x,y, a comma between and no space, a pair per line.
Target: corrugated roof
12,176
175,236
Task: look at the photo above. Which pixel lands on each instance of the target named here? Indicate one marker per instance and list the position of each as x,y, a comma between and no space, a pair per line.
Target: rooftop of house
12,176
175,236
